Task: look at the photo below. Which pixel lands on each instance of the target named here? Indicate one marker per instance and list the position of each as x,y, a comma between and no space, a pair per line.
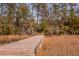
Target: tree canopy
47,18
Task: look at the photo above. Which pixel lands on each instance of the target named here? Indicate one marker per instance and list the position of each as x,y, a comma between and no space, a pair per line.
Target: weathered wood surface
24,47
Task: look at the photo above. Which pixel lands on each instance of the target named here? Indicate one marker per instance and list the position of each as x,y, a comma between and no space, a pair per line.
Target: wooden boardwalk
24,47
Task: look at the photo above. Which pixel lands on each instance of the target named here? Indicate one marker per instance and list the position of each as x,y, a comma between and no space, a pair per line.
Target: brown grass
11,38
64,45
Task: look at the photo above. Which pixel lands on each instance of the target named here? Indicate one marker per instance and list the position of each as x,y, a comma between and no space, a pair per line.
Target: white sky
39,1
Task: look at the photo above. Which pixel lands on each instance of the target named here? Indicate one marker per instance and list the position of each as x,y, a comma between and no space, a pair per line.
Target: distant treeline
50,19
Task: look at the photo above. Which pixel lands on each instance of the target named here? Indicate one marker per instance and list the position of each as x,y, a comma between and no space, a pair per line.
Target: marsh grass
63,45
11,38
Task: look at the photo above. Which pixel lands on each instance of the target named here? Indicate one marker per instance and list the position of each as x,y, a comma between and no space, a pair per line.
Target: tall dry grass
64,45
11,38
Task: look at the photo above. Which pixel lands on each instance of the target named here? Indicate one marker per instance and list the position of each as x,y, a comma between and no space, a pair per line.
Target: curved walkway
24,47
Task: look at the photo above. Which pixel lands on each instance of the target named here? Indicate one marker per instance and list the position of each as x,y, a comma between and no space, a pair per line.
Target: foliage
50,19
